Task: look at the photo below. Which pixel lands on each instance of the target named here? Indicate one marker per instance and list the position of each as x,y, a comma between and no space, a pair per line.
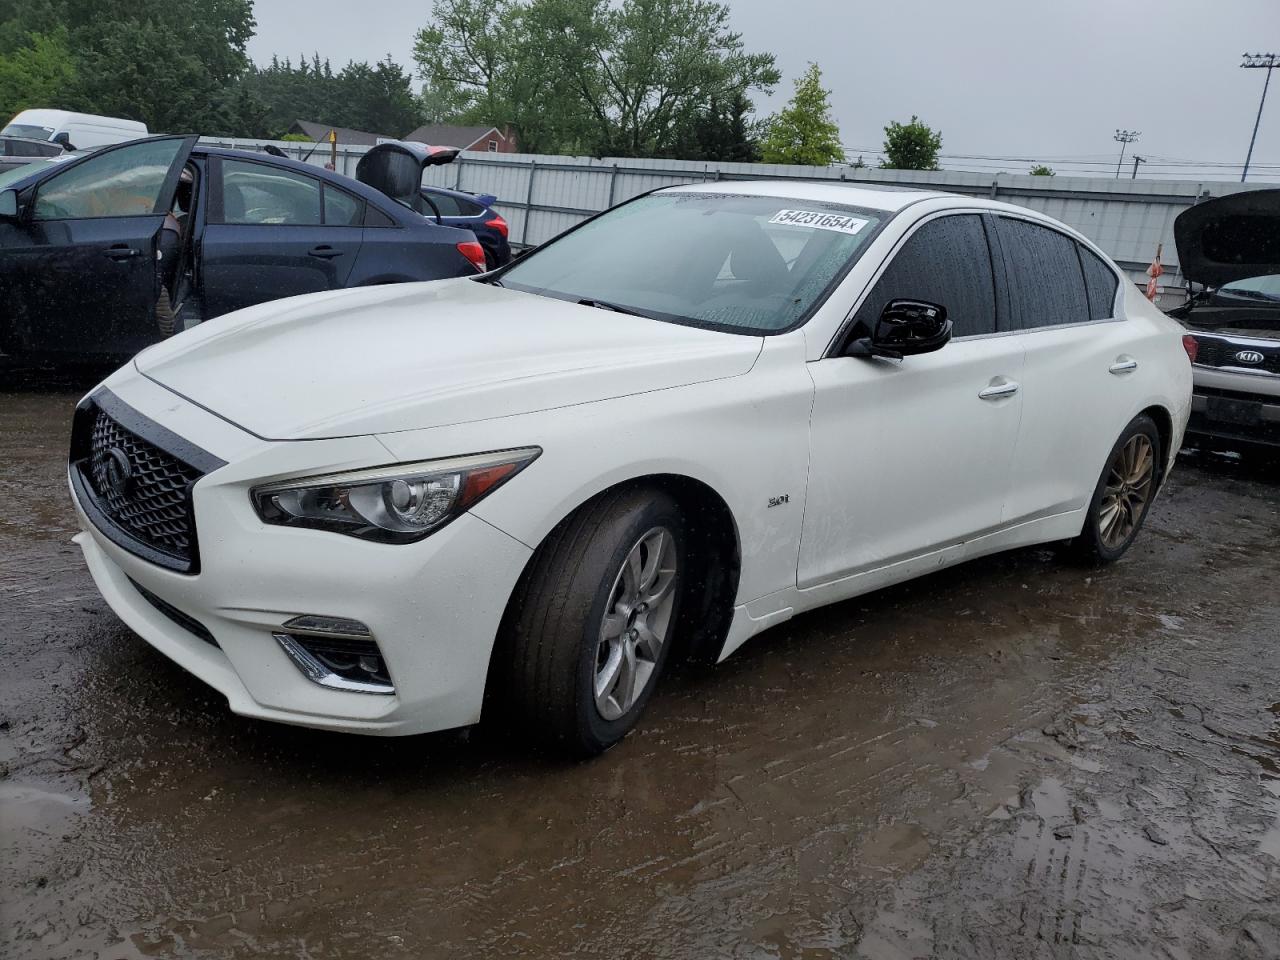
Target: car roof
871,196
450,192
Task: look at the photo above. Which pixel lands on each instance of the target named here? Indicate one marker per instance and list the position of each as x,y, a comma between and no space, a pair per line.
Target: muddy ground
1011,759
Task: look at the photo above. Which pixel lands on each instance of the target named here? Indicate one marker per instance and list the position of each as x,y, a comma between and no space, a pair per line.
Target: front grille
134,480
1216,352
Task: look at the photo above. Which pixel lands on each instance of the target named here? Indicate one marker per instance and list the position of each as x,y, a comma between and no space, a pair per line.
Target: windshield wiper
616,308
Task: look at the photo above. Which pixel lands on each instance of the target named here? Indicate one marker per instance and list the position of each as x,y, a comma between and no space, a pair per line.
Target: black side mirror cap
905,328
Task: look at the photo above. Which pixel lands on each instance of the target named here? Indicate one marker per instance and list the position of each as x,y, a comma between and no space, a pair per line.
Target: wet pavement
1015,758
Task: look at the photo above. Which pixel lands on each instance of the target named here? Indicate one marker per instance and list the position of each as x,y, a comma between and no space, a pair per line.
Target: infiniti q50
713,407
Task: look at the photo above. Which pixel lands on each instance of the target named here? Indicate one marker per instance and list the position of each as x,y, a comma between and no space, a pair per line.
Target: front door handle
999,388
1123,365
324,252
121,251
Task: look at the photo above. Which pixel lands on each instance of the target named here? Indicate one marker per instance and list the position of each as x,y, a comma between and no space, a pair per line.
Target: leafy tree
722,131
376,98
1040,170
911,146
173,65
586,75
36,75
804,131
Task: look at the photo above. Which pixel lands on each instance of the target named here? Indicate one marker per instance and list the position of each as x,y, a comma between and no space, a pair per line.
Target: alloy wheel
636,622
1130,481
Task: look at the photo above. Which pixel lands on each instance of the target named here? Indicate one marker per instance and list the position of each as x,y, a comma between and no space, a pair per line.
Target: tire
557,645
1122,499
166,316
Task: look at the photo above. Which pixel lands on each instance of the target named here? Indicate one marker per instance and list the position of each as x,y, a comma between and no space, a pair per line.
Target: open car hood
1230,238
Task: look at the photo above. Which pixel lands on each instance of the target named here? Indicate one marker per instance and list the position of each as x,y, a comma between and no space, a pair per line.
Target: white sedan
398,509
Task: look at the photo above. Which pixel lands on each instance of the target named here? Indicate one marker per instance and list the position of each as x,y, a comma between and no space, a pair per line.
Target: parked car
473,212
1230,248
686,420
16,151
73,131
108,252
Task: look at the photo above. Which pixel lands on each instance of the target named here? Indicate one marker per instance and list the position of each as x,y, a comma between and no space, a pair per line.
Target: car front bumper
433,607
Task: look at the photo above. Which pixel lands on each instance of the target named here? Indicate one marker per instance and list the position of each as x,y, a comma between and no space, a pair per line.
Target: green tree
585,75
1040,170
37,74
721,131
804,131
911,146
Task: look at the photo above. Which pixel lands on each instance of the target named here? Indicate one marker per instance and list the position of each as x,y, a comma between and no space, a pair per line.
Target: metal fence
542,195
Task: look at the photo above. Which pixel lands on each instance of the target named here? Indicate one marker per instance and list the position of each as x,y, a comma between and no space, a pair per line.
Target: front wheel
1123,495
590,628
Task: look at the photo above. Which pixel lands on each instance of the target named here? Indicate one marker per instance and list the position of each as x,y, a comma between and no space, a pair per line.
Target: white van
75,131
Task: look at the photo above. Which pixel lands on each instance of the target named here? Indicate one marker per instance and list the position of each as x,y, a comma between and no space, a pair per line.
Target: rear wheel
1123,495
590,628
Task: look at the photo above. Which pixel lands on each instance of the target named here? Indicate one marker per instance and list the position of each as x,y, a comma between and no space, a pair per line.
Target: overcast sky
999,78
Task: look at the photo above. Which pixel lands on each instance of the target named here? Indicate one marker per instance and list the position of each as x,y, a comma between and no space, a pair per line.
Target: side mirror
905,328
8,204
63,138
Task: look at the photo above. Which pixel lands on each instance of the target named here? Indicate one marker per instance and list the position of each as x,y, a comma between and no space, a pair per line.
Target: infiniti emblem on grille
1250,356
117,471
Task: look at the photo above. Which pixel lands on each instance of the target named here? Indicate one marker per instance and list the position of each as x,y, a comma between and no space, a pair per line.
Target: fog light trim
317,672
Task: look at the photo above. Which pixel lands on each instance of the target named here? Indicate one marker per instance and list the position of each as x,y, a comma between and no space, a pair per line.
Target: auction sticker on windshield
838,222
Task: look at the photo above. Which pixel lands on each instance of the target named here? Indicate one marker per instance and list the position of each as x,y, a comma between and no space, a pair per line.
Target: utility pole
1137,160
1258,61
1124,138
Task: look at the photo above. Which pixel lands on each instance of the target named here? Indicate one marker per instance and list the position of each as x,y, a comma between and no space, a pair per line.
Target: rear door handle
324,252
1123,365
121,251
999,388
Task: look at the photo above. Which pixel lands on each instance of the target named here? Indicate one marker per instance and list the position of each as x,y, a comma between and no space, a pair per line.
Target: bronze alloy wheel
1130,483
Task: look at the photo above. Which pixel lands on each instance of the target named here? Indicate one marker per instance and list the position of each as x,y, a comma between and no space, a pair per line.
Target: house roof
447,134
319,132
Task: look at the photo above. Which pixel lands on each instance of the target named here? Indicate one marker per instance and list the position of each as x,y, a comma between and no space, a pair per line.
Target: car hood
417,355
1230,238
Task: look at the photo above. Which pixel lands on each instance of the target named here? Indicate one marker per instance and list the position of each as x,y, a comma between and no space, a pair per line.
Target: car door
910,458
1079,367
274,232
78,266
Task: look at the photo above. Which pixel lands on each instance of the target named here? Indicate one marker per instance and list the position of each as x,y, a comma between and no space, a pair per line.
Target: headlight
396,504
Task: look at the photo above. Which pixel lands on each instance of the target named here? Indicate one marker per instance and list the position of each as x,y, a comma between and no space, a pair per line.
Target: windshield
744,264
1254,288
27,130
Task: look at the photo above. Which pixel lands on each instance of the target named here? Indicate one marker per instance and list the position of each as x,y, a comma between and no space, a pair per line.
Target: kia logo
117,472
1250,356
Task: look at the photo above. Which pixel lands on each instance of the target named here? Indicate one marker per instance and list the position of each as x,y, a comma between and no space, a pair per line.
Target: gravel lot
1014,758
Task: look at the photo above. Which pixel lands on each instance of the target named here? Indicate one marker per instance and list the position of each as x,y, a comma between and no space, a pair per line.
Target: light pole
1258,61
1124,138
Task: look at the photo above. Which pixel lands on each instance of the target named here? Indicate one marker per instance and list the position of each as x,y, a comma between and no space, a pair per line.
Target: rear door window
946,261
255,193
1043,274
1100,282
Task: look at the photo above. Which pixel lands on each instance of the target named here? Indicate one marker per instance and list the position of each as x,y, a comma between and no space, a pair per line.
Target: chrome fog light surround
336,652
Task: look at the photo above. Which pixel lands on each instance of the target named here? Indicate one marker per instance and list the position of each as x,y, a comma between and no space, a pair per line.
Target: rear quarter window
1101,284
